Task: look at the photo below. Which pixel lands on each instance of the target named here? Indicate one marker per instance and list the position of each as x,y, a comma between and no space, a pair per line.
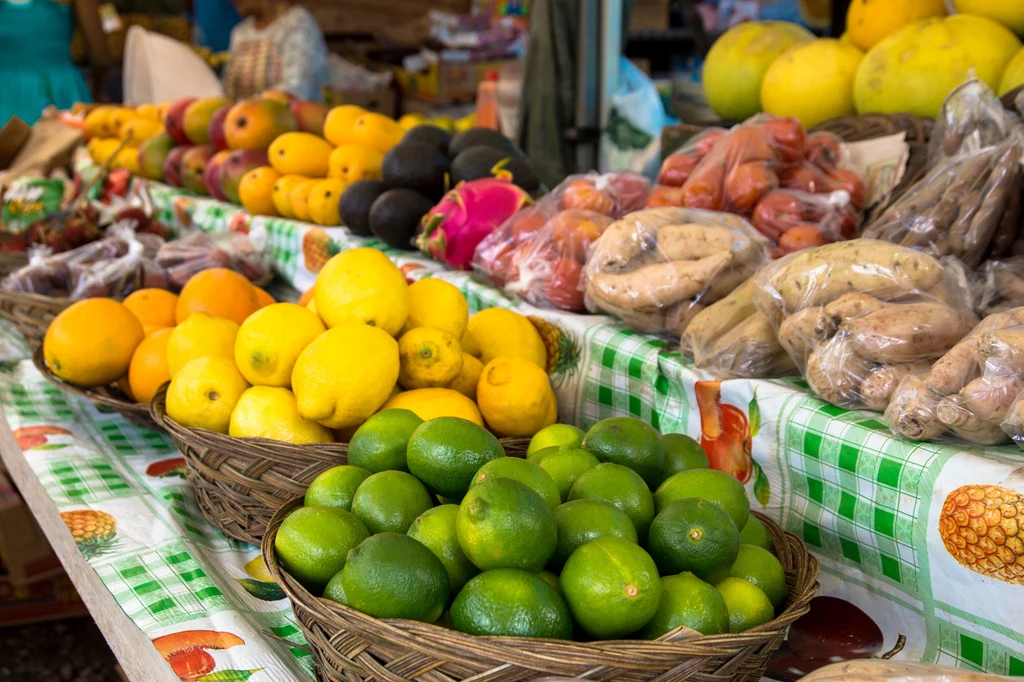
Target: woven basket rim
418,636
141,409
26,298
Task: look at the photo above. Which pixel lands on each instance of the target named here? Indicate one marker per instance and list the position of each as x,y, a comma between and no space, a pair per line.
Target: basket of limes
618,554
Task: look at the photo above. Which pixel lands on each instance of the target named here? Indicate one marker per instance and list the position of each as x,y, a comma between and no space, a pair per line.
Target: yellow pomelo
430,403
796,82
868,21
1014,74
1009,13
914,69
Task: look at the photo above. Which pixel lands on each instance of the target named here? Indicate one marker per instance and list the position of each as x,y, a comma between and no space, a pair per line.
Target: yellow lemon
429,403
203,393
354,162
270,340
200,335
300,154
345,375
428,358
271,412
299,198
323,201
469,344
411,120
515,396
793,84
362,285
498,331
256,191
282,192
376,131
98,123
437,304
339,122
868,21
468,378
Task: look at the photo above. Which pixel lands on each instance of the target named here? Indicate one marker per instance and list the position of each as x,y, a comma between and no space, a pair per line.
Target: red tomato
747,143
664,196
704,188
525,224
747,183
573,231
676,169
564,288
823,150
495,261
583,194
776,213
707,140
627,189
787,136
807,177
801,237
844,178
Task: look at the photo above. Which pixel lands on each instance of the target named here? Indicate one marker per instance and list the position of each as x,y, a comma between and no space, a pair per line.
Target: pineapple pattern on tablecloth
563,350
317,249
95,532
980,526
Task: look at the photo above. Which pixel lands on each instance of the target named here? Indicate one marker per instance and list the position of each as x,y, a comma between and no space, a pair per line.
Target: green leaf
50,446
229,675
762,489
754,415
261,590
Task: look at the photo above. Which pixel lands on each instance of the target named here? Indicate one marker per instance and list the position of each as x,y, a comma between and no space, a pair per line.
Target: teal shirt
35,59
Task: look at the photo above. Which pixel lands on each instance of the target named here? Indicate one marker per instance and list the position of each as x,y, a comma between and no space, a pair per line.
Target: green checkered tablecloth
866,504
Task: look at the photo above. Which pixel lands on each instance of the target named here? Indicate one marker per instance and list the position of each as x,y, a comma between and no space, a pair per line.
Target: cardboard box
51,599
25,554
446,81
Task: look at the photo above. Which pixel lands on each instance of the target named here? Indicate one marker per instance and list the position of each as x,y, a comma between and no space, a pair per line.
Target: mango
255,123
150,112
172,165
238,163
299,198
119,118
278,96
339,122
193,167
127,159
256,191
215,131
323,201
103,148
354,162
98,123
282,193
174,120
152,154
309,115
197,118
377,131
300,154
212,174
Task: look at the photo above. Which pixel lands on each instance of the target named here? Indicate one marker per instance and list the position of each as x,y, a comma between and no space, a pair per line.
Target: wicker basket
351,646
31,313
106,396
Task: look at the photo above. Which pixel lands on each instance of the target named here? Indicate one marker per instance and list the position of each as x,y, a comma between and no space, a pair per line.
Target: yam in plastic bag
1001,284
656,269
856,317
969,391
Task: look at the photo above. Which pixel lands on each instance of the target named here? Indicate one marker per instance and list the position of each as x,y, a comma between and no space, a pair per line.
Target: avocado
474,137
416,165
484,162
431,134
355,205
396,214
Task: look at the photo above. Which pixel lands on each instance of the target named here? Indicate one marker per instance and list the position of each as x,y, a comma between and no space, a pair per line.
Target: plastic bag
184,257
538,254
969,203
879,670
731,338
969,390
857,316
120,276
636,117
831,216
1001,284
657,268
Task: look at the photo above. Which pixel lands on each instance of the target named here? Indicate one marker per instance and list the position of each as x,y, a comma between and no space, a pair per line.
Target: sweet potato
749,349
692,241
961,363
986,399
881,382
679,316
725,281
911,411
880,670
718,318
835,372
850,306
659,285
802,331
908,332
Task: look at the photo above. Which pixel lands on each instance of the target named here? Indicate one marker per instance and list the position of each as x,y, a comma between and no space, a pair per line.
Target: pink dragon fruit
465,215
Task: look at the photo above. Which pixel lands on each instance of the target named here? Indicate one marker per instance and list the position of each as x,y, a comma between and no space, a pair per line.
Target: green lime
335,487
682,453
393,576
564,464
503,523
612,587
509,602
522,471
693,535
389,501
335,590
748,606
435,528
582,521
759,566
312,543
553,436
380,443
688,600
754,533
446,452
629,442
708,484
551,579
620,487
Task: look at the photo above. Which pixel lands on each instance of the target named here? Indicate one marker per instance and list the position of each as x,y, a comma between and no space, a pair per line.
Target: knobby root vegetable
803,331
850,306
749,349
911,411
908,332
1003,351
961,363
1009,285
650,321
659,285
725,282
679,317
986,399
718,318
835,372
693,242
881,382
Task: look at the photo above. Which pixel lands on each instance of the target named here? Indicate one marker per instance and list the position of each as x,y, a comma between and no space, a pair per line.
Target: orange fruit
150,329
306,296
153,307
90,343
148,369
219,292
263,297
